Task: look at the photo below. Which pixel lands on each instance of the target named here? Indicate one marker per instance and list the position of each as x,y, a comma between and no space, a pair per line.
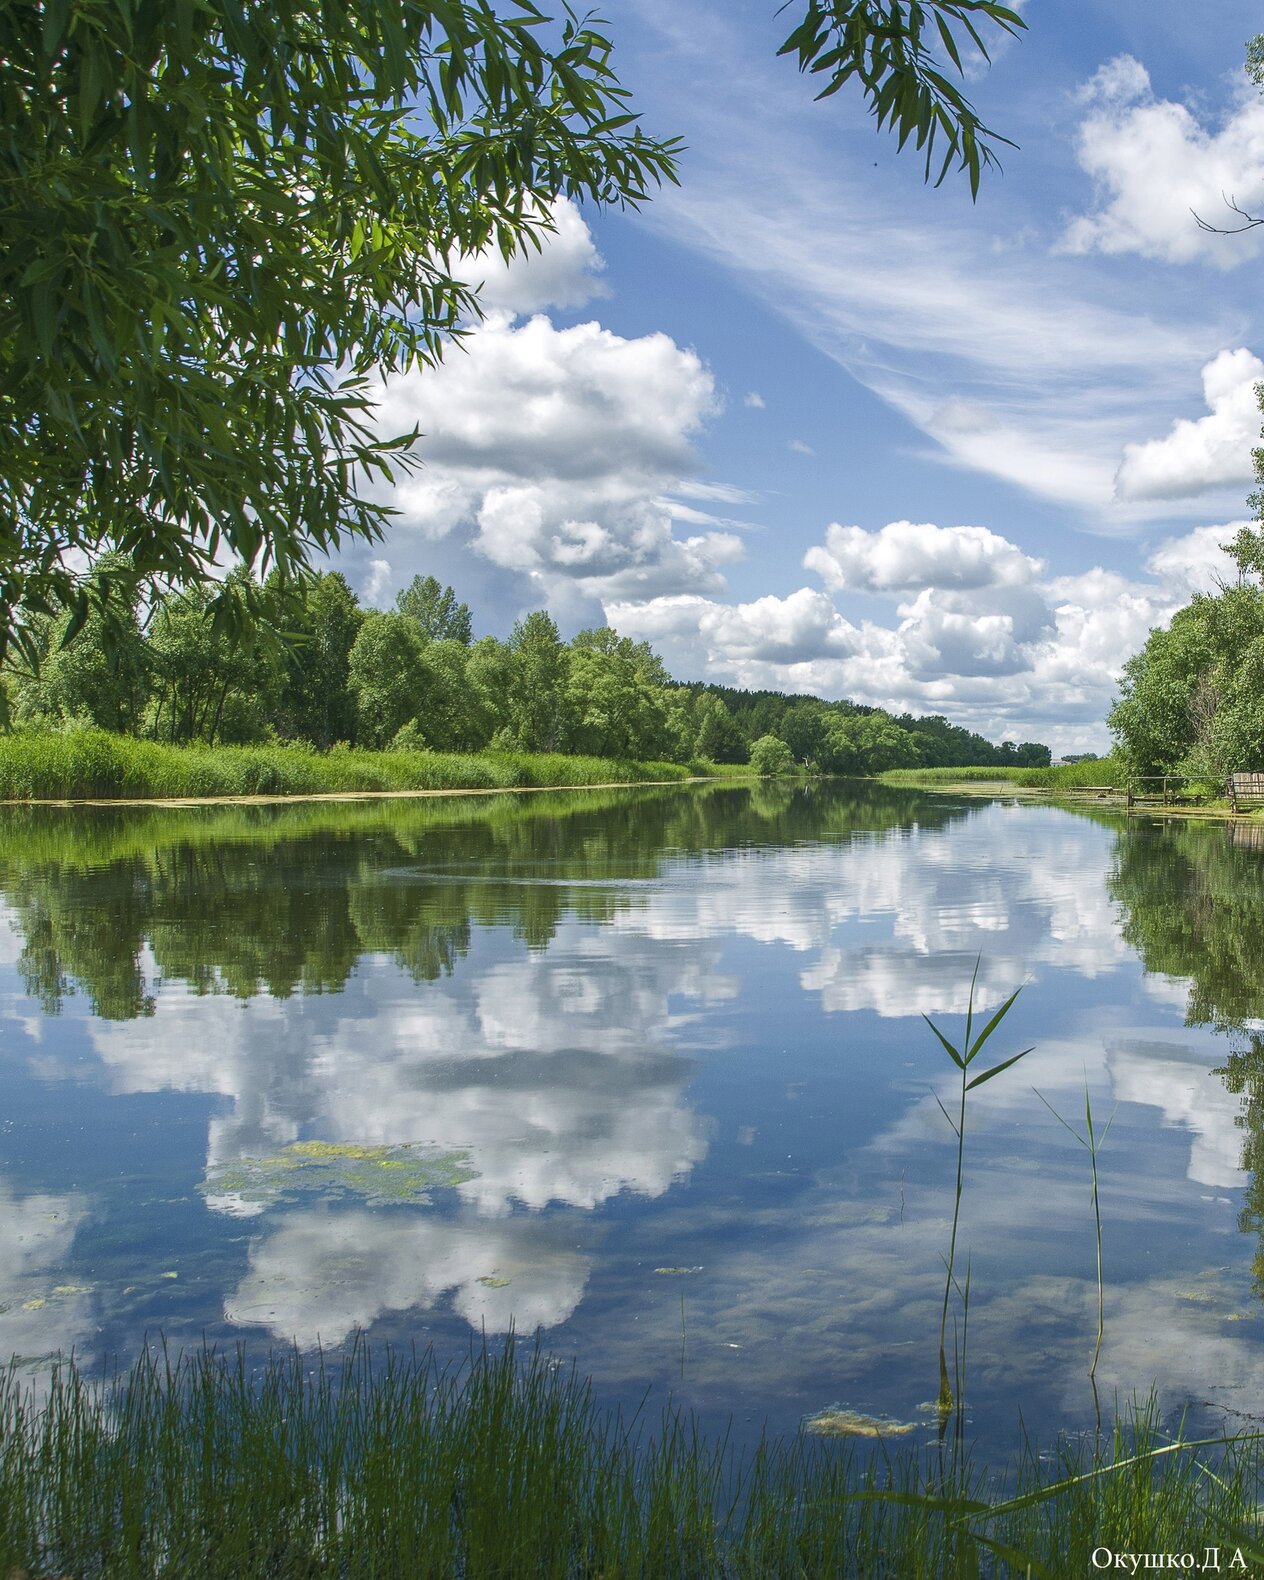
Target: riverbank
201,1465
1071,784
1066,776
93,765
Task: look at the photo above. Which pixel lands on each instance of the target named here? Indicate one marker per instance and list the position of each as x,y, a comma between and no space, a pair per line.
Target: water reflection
605,1035
1192,902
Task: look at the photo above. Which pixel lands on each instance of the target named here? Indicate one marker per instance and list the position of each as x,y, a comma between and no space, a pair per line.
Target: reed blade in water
963,1058
1094,1143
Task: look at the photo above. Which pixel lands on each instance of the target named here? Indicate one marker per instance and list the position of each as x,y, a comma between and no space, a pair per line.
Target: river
645,1072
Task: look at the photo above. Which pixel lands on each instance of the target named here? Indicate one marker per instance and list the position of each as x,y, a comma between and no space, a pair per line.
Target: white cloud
1209,452
41,1311
561,273
905,556
378,583
318,1276
1155,167
554,448
728,493
804,625
1196,562
1033,379
978,629
754,400
800,447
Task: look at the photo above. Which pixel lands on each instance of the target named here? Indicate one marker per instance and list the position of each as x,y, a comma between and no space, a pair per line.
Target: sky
804,422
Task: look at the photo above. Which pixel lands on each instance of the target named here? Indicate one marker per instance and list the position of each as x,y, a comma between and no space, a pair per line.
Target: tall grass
93,764
1066,776
506,1468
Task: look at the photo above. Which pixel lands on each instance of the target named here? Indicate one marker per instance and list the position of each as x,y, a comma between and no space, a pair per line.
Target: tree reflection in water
1192,906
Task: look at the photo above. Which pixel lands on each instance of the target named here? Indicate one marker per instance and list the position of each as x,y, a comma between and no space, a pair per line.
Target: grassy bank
509,1469
1067,776
92,765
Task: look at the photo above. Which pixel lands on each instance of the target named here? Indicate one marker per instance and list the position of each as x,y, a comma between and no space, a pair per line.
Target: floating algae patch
377,1176
839,1422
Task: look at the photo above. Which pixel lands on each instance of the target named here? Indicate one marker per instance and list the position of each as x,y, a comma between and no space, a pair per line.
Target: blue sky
804,422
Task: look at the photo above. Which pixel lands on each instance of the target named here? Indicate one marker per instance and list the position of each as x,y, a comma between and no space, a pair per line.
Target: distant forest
306,662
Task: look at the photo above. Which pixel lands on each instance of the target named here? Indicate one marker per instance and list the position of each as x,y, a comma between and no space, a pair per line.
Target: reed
92,764
1094,1143
1063,776
366,1468
963,1057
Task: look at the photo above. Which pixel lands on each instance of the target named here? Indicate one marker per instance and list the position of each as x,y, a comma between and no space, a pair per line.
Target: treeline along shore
296,688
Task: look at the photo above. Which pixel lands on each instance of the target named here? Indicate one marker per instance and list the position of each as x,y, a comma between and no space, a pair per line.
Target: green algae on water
376,1175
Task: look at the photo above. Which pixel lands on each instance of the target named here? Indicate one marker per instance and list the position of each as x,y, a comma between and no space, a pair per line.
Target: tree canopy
220,222
882,46
1190,700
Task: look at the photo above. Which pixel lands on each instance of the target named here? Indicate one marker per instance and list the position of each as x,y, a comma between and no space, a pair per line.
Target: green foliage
218,226
91,764
435,609
373,1467
97,675
386,675
1192,700
302,661
718,736
538,715
1065,776
866,743
210,682
771,757
882,44
618,697
321,620
447,710
805,724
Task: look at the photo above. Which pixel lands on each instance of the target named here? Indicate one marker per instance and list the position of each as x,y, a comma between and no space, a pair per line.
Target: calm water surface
646,1071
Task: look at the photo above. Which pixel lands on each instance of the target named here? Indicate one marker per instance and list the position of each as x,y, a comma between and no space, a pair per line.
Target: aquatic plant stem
1094,1144
963,1058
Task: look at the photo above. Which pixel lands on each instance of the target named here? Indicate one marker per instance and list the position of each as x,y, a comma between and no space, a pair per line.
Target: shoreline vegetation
96,765
507,1466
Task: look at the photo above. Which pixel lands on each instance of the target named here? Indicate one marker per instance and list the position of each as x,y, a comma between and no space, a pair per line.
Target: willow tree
222,221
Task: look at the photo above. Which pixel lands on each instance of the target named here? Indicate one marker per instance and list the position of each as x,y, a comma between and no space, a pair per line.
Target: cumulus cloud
318,1276
40,1312
1155,167
377,585
1196,562
554,450
905,556
1207,452
804,625
562,272
973,627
